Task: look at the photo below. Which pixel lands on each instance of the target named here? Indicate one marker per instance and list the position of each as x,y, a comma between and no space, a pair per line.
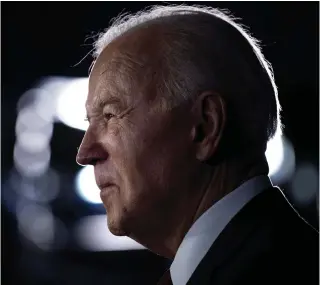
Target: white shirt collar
209,225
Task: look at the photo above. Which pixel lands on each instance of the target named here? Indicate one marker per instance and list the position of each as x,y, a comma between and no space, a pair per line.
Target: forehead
115,74
126,66
111,70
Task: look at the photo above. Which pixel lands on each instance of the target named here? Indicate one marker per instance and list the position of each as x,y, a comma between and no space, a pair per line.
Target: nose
90,151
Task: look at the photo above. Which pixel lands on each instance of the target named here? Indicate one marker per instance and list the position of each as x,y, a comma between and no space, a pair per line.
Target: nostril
90,154
94,161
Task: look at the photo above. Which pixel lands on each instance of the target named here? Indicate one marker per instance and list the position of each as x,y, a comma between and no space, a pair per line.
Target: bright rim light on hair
86,185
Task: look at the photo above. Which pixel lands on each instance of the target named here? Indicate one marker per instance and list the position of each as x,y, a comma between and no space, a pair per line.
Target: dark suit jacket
267,242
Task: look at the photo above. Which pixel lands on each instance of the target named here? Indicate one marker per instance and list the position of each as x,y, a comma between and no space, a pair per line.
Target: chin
117,232
116,228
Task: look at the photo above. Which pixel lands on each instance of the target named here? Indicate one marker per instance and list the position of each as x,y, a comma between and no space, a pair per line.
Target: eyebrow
101,102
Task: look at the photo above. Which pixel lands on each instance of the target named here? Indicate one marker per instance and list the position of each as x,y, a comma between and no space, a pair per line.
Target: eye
108,116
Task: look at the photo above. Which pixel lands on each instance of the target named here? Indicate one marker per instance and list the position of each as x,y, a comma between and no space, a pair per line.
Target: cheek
154,157
124,152
130,153
149,161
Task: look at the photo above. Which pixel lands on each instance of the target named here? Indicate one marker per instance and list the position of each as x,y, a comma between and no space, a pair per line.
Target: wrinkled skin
153,157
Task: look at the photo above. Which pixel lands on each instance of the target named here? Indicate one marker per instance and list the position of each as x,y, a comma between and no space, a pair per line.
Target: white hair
208,48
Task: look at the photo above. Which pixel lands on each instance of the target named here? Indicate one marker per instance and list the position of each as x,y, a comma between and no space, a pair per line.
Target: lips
105,190
104,177
105,185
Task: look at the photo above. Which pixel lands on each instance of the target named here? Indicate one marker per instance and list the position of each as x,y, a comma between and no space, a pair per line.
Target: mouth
105,189
105,185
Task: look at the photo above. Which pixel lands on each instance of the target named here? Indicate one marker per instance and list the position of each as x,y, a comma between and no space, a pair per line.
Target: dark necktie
165,279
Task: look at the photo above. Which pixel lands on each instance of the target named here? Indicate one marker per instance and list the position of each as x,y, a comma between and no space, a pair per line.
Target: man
181,105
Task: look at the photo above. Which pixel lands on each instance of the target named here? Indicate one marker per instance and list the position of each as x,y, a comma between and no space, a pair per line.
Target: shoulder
266,238
282,244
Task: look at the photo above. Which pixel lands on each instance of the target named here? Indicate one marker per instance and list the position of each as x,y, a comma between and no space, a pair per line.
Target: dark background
40,39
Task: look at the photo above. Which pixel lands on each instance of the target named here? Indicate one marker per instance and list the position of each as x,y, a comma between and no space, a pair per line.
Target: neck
217,181
213,184
225,178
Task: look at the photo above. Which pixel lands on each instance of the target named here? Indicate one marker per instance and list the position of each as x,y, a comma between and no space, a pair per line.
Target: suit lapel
241,226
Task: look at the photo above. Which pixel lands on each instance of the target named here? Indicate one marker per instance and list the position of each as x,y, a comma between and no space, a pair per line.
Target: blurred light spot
48,185
29,119
28,98
274,154
33,142
8,193
304,185
34,127
281,159
41,101
71,103
31,164
45,105
86,185
53,84
92,234
36,223
44,188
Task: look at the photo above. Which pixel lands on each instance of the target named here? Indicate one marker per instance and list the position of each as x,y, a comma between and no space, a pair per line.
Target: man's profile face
140,153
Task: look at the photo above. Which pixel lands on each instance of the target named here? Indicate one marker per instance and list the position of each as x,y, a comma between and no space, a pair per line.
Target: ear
209,112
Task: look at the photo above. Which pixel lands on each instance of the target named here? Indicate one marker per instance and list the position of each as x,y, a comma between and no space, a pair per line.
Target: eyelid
110,108
112,112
